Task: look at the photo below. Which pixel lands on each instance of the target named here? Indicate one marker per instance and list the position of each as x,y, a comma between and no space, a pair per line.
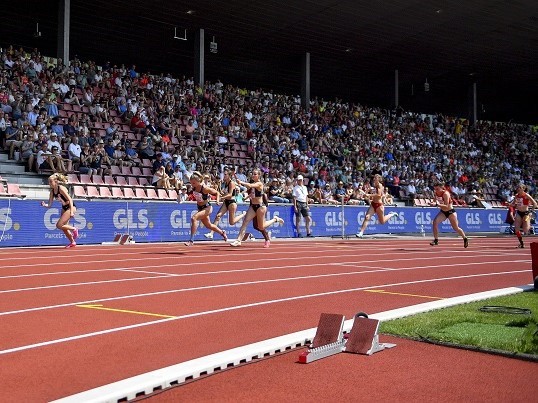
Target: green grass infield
507,324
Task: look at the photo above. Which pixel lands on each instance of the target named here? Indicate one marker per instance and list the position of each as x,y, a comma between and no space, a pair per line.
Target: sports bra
200,196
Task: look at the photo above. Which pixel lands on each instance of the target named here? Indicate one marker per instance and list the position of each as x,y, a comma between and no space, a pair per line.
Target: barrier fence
26,223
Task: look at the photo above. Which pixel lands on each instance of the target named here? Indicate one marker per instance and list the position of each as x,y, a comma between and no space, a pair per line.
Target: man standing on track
300,205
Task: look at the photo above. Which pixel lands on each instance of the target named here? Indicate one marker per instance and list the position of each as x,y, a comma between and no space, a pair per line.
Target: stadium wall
26,223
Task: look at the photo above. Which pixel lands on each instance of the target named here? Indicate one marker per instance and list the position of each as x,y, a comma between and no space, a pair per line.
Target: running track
162,304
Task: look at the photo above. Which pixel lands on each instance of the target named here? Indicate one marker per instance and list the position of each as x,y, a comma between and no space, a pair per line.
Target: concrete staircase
31,184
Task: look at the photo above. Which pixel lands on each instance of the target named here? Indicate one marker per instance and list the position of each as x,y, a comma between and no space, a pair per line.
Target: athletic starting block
329,340
363,337
120,239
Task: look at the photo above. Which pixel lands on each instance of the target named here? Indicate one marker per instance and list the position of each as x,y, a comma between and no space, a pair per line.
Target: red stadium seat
133,181
85,179
92,191
104,192
117,193
163,195
172,194
72,178
129,193
14,190
152,194
97,180
143,181
79,192
109,180
140,193
120,181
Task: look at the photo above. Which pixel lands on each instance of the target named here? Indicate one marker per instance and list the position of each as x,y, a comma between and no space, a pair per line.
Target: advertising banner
26,223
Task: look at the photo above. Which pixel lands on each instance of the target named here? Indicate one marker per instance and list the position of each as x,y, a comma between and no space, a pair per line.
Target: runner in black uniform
228,190
257,210
444,202
201,194
59,192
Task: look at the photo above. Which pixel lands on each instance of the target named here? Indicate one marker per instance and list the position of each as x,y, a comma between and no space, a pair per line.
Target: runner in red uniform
521,202
376,206
444,202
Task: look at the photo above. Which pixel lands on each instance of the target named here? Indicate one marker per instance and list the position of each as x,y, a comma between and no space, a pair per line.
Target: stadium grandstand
128,117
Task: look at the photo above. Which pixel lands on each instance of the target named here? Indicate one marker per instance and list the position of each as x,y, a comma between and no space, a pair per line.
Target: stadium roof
355,46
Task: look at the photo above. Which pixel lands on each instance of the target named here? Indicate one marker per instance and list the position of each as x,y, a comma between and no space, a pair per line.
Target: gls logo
472,218
398,219
334,219
5,219
53,214
124,219
178,219
495,218
422,218
361,215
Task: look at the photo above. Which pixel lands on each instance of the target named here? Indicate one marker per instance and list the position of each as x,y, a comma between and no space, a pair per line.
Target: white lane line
46,287
302,258
168,275
169,253
199,288
147,272
54,273
236,307
448,265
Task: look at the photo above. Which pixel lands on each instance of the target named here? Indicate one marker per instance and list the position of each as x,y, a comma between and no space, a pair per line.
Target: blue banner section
26,223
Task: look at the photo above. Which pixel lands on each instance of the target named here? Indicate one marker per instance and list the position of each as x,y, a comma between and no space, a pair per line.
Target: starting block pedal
363,337
120,239
328,339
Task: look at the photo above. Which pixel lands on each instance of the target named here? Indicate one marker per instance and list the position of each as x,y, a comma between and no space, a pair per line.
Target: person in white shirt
74,150
300,204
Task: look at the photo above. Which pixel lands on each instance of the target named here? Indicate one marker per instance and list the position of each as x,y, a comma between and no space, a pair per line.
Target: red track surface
51,348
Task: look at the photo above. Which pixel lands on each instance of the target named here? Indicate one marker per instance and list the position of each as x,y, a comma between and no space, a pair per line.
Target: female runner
227,190
376,206
521,202
256,211
58,191
201,195
444,202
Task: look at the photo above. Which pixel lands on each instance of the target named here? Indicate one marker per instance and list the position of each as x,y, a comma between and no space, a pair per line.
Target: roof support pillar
305,81
199,57
64,23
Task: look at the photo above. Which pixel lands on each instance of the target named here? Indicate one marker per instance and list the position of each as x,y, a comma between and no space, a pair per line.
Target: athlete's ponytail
59,177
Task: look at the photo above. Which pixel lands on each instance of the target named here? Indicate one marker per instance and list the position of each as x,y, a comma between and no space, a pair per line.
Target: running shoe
279,220
224,236
75,233
390,215
237,242
209,235
189,243
267,244
434,242
71,245
310,235
359,235
299,235
465,242
521,244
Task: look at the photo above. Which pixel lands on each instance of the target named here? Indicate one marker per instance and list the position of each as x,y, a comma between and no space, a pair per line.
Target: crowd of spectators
87,118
